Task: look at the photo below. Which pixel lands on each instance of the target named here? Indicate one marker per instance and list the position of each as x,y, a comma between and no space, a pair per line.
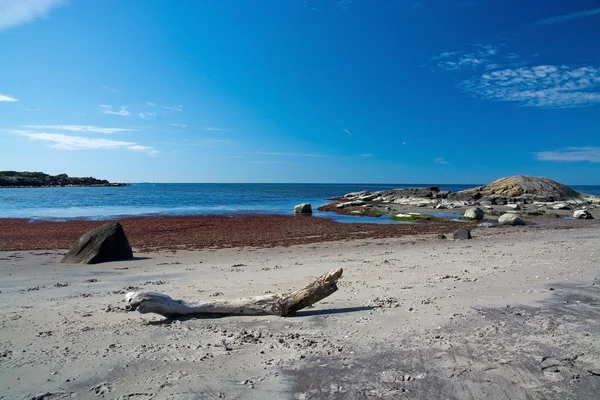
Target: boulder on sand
102,244
510,219
304,209
474,213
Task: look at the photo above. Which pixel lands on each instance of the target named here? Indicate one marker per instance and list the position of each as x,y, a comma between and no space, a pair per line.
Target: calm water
185,199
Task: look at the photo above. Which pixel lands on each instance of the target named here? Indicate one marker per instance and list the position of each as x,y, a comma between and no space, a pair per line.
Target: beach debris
303,209
102,244
510,219
462,234
487,225
273,304
582,214
474,213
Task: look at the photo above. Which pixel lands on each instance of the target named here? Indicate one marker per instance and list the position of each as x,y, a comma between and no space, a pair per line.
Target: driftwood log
272,304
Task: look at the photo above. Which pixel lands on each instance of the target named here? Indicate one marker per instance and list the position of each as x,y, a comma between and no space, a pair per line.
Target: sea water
230,199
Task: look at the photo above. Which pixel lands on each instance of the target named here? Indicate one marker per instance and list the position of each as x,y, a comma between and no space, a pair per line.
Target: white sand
452,319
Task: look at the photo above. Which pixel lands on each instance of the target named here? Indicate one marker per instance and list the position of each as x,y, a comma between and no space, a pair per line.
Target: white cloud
293,154
17,12
147,114
66,142
179,125
539,86
478,57
569,17
151,104
440,160
347,131
214,129
80,128
366,155
571,154
4,97
108,110
173,108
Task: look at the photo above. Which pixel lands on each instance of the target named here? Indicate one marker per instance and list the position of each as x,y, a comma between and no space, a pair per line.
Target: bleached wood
273,304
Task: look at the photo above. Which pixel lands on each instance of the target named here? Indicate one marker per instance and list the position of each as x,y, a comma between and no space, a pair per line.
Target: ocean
146,199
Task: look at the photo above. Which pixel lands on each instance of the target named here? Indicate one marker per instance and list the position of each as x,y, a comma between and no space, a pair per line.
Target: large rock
582,214
304,209
510,219
105,243
474,213
523,187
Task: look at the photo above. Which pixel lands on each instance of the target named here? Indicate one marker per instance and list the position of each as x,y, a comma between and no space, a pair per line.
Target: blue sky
398,91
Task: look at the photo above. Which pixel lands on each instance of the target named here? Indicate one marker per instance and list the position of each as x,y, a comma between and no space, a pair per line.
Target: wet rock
303,209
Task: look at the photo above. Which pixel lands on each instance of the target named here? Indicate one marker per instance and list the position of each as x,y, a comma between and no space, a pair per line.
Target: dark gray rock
462,234
304,209
102,244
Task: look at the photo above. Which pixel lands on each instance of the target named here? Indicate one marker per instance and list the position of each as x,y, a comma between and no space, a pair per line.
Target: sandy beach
510,314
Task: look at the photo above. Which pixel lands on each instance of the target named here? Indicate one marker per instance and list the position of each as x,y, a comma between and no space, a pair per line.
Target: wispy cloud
123,110
347,131
440,160
179,125
110,89
478,56
571,154
147,114
503,77
66,142
539,86
172,108
151,104
366,155
569,17
4,97
17,12
80,128
293,154
215,129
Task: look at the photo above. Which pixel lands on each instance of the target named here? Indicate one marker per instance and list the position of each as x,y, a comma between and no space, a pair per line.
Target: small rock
303,209
510,219
462,234
582,214
474,213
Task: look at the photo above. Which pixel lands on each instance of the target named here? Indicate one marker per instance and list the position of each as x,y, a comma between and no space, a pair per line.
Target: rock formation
40,179
521,188
105,243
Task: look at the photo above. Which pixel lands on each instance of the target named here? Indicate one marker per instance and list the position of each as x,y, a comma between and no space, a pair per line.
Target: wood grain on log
273,304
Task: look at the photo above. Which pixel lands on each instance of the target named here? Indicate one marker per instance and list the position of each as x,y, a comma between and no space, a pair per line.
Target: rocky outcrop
521,188
103,244
40,179
510,219
303,209
474,213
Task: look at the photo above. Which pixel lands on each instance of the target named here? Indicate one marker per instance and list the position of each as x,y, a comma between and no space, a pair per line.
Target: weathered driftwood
273,304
